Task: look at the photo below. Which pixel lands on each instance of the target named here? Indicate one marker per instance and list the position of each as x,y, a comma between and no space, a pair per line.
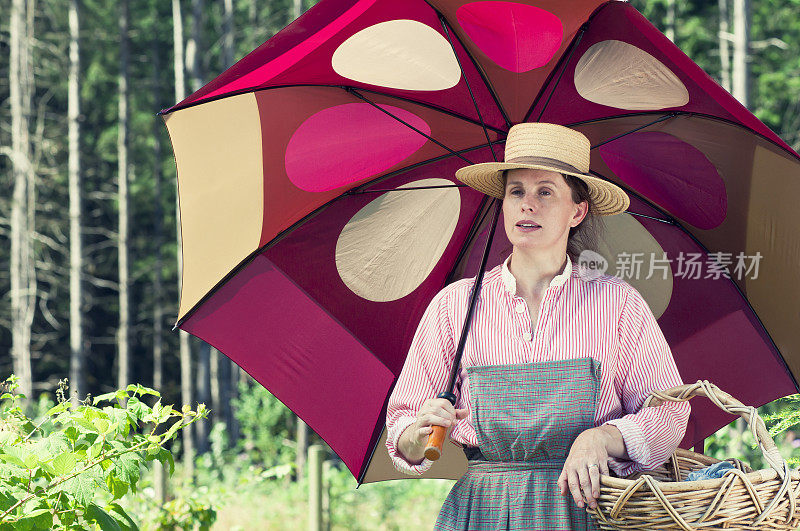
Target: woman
556,366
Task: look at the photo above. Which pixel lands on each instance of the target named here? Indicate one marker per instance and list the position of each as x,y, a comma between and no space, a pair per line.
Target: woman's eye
516,192
545,192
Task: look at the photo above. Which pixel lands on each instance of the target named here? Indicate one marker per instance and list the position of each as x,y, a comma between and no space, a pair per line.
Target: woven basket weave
741,499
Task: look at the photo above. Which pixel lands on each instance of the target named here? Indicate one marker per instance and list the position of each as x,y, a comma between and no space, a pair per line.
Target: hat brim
487,177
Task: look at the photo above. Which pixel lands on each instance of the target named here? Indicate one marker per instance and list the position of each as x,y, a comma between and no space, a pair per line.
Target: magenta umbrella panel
320,213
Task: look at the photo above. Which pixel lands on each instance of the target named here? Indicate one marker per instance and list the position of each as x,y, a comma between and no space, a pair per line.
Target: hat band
545,161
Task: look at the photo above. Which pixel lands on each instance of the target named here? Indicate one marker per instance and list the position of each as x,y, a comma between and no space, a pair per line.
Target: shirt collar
510,282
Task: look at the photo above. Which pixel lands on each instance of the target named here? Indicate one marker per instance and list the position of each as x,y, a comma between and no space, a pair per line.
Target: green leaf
125,522
117,487
106,522
82,487
107,397
13,459
165,456
101,425
72,433
38,519
126,467
7,499
31,461
64,463
138,408
142,390
60,408
82,422
8,438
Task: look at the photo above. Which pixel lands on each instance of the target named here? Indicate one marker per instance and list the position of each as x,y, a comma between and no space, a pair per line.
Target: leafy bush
265,425
70,468
782,418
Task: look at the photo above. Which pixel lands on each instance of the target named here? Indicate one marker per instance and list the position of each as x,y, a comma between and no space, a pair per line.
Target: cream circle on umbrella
351,142
633,254
399,54
390,246
516,37
672,173
621,75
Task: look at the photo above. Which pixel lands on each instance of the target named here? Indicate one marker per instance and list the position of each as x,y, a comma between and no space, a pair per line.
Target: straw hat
546,146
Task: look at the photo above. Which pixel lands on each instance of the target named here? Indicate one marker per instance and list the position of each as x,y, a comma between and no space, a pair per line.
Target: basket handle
727,403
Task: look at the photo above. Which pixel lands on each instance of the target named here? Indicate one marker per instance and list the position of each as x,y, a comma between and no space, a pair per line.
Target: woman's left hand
587,459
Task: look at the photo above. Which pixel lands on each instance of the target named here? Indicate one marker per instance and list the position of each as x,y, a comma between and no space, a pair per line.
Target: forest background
89,262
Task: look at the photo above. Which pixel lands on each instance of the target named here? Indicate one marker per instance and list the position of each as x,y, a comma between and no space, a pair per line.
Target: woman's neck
534,270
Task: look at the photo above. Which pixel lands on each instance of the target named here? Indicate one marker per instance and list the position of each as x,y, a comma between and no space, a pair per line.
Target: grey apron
526,417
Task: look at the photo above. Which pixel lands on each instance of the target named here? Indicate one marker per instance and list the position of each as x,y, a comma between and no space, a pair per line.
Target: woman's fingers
594,477
575,487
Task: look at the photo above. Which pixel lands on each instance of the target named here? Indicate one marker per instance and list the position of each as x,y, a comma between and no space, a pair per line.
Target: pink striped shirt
605,318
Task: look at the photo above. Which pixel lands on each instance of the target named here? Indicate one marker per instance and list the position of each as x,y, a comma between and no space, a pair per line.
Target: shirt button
520,307
526,336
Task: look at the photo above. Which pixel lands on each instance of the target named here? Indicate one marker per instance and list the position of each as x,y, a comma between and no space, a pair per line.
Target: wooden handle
433,450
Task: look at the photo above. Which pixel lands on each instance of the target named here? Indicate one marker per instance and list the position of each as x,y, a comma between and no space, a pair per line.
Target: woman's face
538,210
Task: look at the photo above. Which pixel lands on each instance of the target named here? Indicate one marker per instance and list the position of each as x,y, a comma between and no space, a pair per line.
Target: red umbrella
320,213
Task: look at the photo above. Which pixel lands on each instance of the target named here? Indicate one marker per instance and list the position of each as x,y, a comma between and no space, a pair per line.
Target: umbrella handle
433,450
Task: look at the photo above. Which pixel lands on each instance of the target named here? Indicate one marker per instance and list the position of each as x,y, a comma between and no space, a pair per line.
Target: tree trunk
224,390
77,355
123,333
724,45
21,275
670,22
297,8
203,393
159,479
183,337
193,59
301,439
741,45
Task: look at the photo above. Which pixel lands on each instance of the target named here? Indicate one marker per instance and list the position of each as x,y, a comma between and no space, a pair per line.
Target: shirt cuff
400,463
635,445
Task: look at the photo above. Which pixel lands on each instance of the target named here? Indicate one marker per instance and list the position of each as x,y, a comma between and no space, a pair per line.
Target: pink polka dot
516,37
672,173
347,143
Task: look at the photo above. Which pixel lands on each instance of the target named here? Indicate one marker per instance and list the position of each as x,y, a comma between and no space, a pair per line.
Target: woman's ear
582,209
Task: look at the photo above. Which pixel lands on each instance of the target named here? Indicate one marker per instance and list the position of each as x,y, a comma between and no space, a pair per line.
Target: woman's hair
586,235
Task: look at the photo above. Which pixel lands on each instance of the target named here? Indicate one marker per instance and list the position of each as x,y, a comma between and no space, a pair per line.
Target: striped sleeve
423,376
646,364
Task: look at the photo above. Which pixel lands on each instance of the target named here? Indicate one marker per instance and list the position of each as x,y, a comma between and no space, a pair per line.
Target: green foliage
192,512
782,418
69,468
265,425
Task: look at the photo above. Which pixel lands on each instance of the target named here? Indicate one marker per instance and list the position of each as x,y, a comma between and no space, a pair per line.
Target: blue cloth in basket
717,470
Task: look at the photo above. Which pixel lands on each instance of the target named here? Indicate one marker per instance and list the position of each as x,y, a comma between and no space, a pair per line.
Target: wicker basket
741,499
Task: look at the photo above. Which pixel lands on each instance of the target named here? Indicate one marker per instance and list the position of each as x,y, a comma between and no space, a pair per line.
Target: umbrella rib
354,191
689,113
454,185
429,137
573,45
469,88
337,86
667,116
473,232
475,63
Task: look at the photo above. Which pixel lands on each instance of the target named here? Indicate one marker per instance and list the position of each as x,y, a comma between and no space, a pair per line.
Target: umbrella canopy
320,214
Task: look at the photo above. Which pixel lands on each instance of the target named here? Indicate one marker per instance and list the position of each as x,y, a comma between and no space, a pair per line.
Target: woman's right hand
433,412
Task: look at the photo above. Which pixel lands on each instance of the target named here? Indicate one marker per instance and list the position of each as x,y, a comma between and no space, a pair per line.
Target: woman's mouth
528,226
